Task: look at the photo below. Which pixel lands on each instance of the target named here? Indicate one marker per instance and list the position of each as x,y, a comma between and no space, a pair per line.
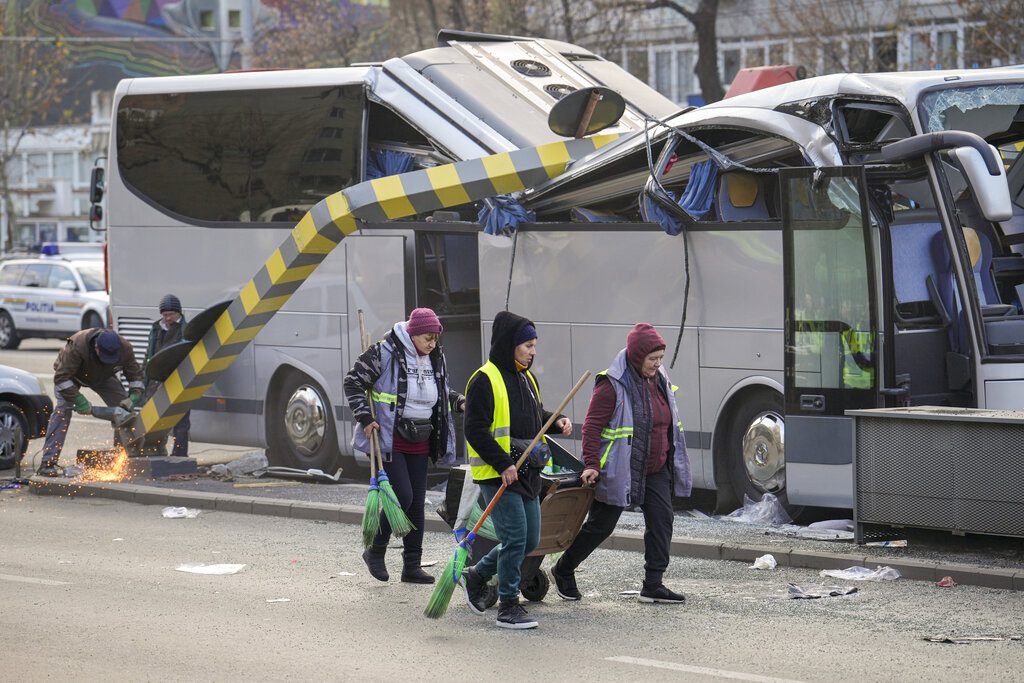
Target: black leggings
658,518
408,476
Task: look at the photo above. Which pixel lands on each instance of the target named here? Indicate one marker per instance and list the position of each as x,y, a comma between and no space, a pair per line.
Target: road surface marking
703,670
32,579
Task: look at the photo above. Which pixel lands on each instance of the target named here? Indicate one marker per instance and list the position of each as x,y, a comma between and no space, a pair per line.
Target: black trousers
408,476
658,518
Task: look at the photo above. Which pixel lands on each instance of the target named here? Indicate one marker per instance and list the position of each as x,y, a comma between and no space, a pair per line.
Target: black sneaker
660,593
50,471
375,563
565,584
513,615
476,591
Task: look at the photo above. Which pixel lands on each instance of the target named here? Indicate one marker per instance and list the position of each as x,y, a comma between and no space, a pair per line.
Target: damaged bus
840,242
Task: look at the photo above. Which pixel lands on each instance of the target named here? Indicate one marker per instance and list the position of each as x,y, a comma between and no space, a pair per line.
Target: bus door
375,267
831,352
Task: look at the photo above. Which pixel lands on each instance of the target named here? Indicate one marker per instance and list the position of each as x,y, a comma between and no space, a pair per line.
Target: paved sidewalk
700,538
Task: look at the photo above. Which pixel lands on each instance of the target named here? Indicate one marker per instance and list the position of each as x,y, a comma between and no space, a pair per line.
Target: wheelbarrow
564,505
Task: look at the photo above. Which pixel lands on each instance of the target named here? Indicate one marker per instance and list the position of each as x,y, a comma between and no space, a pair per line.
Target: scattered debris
798,593
10,485
967,640
346,574
629,592
887,544
862,574
428,563
697,514
117,540
316,476
796,531
279,600
172,512
834,524
945,582
765,562
201,568
768,511
266,484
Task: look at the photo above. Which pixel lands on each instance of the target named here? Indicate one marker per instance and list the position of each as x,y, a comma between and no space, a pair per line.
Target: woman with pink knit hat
407,377
634,451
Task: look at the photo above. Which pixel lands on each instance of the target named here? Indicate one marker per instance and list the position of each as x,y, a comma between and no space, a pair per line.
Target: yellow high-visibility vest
501,423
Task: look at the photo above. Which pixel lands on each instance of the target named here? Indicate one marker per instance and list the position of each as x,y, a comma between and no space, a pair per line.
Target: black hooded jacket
526,412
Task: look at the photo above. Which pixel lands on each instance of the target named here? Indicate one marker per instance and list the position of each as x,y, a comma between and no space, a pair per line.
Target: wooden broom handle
526,453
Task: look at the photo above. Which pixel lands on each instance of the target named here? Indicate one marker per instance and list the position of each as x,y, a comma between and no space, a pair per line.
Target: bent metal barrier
316,235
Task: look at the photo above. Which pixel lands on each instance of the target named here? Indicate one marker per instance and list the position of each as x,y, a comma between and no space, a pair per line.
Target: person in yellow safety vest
504,411
858,348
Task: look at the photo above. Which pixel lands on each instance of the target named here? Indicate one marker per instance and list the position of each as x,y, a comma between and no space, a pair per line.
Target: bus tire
756,449
300,426
91,320
9,338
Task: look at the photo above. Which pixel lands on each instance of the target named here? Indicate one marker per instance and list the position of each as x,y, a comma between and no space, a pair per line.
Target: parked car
24,411
50,297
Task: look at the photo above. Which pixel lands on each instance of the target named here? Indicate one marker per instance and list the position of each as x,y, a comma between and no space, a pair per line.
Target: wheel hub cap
10,436
764,452
305,420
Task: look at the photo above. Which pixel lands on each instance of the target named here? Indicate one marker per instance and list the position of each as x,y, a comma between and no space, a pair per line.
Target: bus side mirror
991,191
96,186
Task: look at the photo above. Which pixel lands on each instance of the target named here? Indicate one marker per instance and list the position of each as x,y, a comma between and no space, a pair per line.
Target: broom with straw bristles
450,576
371,513
381,493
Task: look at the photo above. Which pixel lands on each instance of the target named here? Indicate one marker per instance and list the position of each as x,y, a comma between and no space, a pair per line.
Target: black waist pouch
414,431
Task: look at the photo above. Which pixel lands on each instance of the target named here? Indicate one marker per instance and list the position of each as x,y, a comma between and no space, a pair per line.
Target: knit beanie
422,321
642,340
170,303
525,334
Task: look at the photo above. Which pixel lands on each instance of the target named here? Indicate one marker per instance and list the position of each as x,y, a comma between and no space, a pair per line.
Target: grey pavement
90,588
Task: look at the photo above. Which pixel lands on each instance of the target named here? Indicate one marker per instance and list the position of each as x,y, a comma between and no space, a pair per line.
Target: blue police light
49,249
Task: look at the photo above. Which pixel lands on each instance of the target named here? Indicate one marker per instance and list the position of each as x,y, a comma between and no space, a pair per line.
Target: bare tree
995,33
704,19
601,26
320,33
33,72
838,31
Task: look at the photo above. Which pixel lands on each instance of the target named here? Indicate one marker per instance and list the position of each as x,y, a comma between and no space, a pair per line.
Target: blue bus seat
741,197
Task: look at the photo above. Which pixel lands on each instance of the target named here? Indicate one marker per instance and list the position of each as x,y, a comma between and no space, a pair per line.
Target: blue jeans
517,522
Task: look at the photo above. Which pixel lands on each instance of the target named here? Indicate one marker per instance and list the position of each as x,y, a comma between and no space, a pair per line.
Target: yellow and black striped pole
319,232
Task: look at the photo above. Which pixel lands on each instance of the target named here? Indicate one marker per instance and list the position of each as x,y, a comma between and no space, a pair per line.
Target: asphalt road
37,356
89,590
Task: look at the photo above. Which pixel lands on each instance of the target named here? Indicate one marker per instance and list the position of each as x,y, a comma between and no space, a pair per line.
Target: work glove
82,405
133,400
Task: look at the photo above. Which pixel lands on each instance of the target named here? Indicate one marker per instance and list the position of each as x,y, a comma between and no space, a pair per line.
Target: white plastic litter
765,562
838,524
346,574
767,511
279,600
171,512
201,568
862,574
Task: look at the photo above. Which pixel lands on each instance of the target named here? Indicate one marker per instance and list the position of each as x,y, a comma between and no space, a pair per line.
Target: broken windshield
995,111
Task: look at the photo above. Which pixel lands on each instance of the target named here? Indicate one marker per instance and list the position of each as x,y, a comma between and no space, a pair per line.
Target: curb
918,570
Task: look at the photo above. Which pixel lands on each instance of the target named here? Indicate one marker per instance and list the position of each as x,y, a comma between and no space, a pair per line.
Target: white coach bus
841,242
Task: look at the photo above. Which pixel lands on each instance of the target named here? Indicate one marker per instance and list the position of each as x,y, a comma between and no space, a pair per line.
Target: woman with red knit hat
634,451
408,377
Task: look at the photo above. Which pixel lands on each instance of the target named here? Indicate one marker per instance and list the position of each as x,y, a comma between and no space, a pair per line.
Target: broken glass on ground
798,593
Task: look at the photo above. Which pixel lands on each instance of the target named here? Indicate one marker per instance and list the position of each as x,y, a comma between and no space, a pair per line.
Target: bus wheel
300,426
9,338
757,450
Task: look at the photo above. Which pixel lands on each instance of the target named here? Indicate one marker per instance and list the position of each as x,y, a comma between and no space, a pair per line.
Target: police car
50,297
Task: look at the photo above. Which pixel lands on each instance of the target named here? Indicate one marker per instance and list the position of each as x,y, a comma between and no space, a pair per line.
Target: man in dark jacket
90,358
168,330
